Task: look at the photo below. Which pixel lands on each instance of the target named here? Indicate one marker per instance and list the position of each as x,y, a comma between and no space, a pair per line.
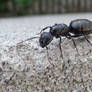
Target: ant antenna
45,28
28,39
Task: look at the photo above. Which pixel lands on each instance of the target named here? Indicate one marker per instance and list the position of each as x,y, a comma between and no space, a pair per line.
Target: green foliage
3,5
18,3
23,3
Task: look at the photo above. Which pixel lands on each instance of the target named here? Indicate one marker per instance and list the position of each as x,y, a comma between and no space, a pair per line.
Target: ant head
45,39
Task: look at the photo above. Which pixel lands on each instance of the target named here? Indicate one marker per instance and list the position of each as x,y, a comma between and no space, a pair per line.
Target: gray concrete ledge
24,67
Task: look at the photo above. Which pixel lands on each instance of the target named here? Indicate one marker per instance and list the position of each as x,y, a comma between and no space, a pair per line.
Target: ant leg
86,39
70,37
49,58
60,48
75,46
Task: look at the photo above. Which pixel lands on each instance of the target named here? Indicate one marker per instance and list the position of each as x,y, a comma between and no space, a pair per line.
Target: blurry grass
24,3
15,7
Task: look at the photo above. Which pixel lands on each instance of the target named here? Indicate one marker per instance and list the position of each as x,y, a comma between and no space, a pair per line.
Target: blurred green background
35,7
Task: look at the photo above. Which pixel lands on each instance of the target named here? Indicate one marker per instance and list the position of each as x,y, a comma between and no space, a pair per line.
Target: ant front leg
60,48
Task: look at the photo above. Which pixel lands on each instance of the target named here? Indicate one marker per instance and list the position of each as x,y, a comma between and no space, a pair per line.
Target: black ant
77,28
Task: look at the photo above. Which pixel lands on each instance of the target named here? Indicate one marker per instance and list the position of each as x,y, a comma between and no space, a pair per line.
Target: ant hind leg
86,38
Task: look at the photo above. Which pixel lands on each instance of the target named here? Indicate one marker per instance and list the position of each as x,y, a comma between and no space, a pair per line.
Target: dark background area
36,7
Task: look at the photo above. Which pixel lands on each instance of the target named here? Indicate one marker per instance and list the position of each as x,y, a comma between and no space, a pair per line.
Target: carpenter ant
77,28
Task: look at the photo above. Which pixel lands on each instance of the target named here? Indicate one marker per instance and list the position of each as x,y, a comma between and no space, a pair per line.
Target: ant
77,28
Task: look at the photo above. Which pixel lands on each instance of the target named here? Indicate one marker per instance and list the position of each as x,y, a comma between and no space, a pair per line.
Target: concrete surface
24,67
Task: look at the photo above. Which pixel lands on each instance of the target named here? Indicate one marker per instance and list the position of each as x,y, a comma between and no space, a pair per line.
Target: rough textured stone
24,67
